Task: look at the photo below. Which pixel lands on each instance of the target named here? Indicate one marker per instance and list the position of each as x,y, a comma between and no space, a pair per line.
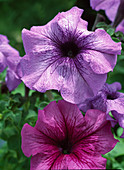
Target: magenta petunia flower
108,100
63,139
63,55
113,9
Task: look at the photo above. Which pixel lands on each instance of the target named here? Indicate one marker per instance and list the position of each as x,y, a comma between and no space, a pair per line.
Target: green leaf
110,31
13,142
31,114
101,25
115,39
8,132
17,117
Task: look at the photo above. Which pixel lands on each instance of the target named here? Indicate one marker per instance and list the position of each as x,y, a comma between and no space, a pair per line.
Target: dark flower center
69,49
65,147
112,96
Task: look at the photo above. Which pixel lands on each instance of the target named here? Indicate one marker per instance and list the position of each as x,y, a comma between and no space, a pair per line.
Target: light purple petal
112,11
37,43
101,4
7,50
2,62
111,88
100,62
110,7
120,27
12,80
6,53
116,104
48,65
98,42
70,19
101,41
3,39
63,76
13,61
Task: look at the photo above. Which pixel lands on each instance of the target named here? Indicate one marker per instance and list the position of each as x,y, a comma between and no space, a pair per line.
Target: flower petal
101,41
35,43
116,105
3,64
12,80
100,63
34,141
120,27
92,138
101,4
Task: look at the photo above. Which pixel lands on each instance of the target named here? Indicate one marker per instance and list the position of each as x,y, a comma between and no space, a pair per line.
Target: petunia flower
13,75
113,9
6,51
63,139
9,57
63,55
108,100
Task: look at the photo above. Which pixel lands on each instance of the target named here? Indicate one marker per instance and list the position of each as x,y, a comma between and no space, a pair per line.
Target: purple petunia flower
6,51
108,99
63,139
63,55
13,76
9,57
113,9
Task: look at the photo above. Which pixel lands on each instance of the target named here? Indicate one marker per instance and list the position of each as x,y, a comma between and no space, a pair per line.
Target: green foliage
15,111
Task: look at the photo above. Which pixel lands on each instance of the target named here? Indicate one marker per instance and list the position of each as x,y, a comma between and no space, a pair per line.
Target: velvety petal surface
62,122
64,162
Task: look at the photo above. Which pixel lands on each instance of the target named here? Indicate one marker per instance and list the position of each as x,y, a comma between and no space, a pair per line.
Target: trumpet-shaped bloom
63,139
108,99
63,55
113,9
9,57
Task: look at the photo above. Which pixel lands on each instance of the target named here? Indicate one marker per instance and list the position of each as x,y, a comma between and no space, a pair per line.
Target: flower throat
69,49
